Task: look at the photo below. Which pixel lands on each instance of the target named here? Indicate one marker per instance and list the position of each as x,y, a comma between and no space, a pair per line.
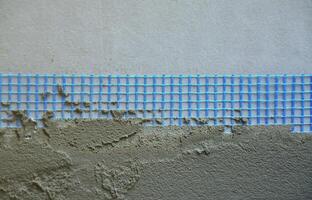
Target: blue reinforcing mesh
167,100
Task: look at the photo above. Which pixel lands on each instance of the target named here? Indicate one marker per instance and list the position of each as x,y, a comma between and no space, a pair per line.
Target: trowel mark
39,172
92,135
118,179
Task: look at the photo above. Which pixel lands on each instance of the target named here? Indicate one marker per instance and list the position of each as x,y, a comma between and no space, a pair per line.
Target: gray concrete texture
155,37
113,159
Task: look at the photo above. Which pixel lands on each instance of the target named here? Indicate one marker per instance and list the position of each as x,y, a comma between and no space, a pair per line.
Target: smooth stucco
163,36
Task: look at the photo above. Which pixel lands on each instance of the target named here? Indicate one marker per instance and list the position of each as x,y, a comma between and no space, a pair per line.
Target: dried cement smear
114,159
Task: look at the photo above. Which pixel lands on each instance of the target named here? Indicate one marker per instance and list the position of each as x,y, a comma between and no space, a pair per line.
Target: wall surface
98,159
115,159
163,36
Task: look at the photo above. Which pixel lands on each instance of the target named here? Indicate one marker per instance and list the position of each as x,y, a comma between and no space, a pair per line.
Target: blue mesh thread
127,95
241,83
91,96
109,92
144,96
206,95
259,99
28,97
171,100
283,102
215,111
223,99
198,96
293,101
118,93
63,98
163,97
180,101
10,92
267,100
302,104
37,97
82,85
276,99
72,97
310,104
189,97
231,97
136,94
1,100
54,93
45,90
249,99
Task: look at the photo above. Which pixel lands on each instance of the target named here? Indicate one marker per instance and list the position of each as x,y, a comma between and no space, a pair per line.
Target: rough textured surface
156,36
113,159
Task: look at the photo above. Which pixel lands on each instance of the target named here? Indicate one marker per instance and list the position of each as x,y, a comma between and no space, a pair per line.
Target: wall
124,160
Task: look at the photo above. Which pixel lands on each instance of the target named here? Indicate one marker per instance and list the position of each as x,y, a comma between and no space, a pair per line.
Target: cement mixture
116,159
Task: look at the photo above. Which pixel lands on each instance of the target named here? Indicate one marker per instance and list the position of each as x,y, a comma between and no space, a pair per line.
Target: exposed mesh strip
225,100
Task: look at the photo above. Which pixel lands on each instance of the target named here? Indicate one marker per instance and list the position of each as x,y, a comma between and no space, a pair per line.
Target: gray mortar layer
114,159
